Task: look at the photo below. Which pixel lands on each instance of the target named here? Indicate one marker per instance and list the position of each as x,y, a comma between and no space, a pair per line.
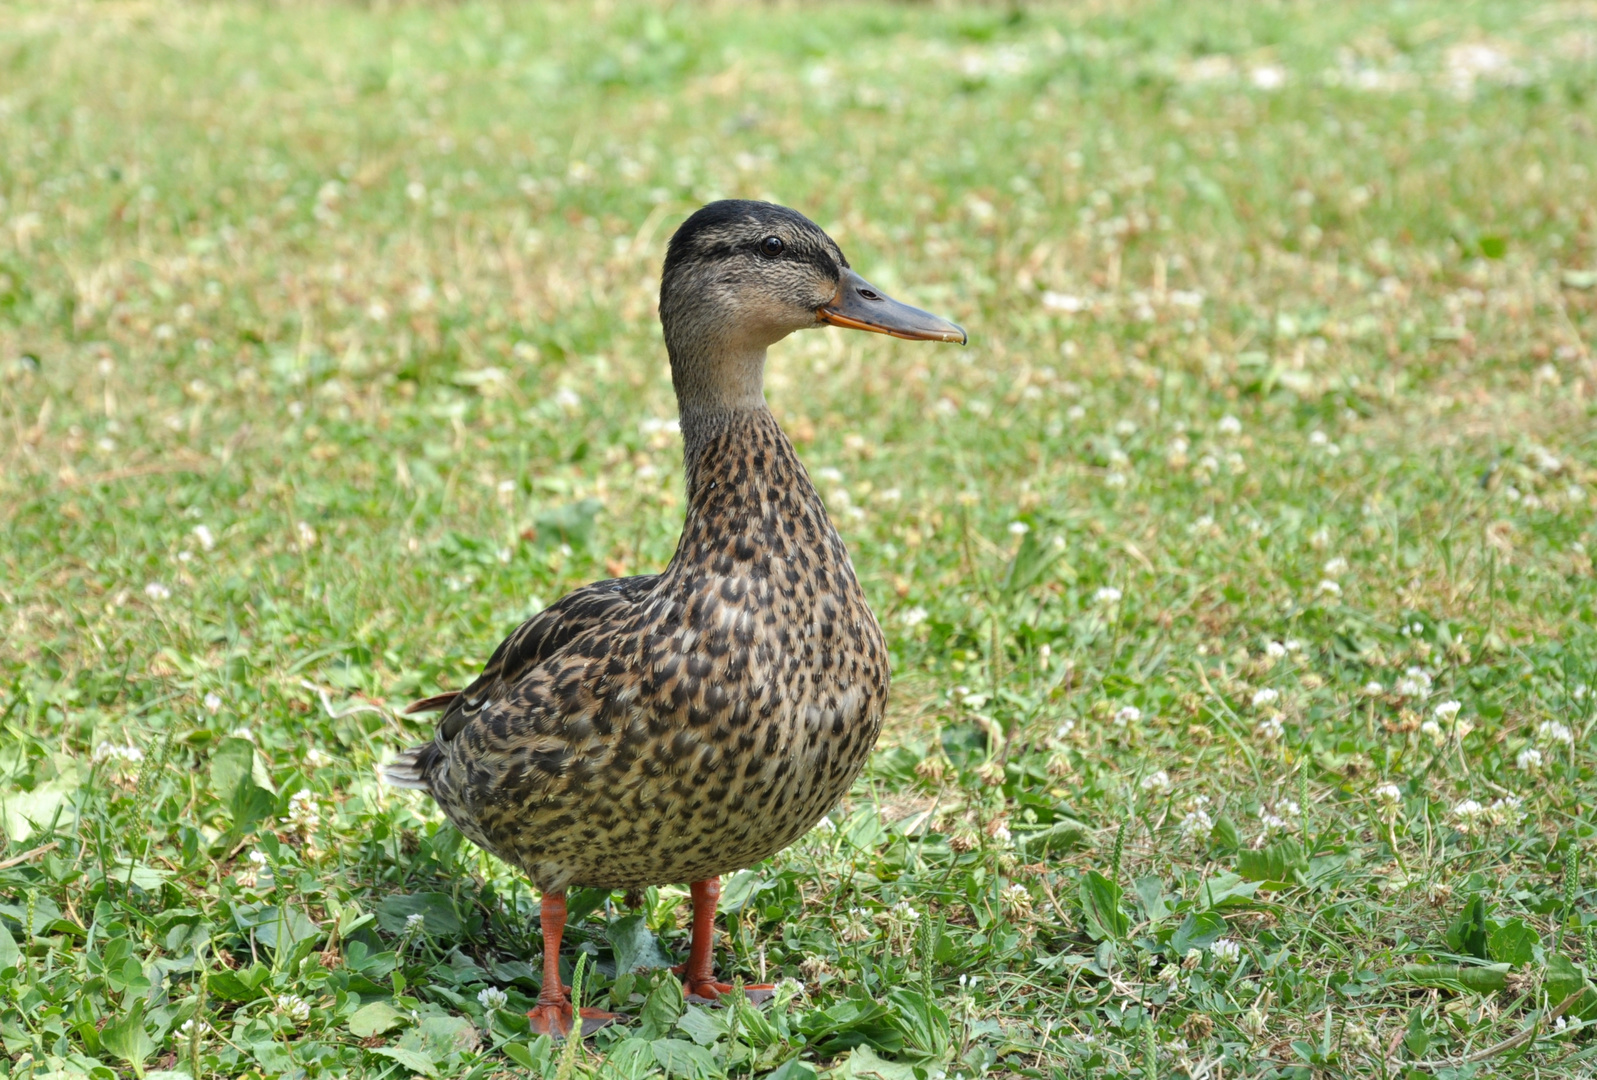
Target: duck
676,727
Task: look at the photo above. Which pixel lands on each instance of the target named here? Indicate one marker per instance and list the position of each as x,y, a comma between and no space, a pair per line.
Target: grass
329,353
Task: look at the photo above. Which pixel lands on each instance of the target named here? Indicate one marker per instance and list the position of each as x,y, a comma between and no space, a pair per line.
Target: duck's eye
772,246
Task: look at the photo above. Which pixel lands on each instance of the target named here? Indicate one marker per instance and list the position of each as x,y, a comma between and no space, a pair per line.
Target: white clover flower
1156,782
1127,714
294,1007
1374,689
1229,425
1197,824
1279,817
1266,696
1271,727
1001,835
213,702
1389,793
1335,567
1446,711
1433,731
1292,645
1528,759
492,997
1275,650
1415,683
306,534
118,753
1018,528
857,926
1017,902
1469,812
1553,731
258,858
899,919
568,399
316,759
1506,810
1327,587
156,591
1226,951
913,617
1064,729
1107,596
302,812
204,537
415,922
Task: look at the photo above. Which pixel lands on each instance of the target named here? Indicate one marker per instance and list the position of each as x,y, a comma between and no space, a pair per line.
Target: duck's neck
734,449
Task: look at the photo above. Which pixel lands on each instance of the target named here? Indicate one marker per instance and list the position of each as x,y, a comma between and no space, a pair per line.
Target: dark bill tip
859,305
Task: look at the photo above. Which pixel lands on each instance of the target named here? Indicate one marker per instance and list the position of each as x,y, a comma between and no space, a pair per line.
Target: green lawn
1238,575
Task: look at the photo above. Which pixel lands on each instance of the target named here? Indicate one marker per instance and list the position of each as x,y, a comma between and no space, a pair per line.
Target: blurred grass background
328,352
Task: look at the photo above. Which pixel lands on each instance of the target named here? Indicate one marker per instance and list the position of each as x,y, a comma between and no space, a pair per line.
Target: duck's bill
859,305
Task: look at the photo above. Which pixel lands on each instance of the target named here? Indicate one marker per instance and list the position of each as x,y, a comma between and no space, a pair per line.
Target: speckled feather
678,726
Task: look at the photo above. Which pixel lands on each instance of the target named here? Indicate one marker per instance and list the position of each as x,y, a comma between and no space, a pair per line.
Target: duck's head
740,276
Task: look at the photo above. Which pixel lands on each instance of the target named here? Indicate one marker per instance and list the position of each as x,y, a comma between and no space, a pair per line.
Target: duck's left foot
556,1019
707,992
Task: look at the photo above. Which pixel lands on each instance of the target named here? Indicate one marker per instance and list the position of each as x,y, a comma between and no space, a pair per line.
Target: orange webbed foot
555,1019
702,992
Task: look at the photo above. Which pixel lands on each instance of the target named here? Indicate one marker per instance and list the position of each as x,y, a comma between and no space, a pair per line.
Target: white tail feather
405,771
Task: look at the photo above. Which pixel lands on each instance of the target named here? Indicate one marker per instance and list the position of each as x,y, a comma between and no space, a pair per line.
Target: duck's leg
552,1016
699,972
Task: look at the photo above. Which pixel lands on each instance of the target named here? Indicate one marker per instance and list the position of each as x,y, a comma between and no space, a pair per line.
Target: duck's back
684,725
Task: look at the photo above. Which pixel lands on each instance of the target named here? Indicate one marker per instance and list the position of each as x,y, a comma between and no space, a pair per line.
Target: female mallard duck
674,727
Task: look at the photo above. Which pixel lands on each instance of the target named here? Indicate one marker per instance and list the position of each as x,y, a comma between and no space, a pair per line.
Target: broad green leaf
1031,561
21,812
414,1060
441,1038
1150,893
1100,903
569,524
1565,977
532,1055
10,955
661,1008
863,1064
1513,943
792,1069
1417,1036
635,946
437,910
376,1018
701,1026
1467,934
126,1038
926,1028
1274,864
1470,978
1226,890
1225,834
685,1060
1197,931
1062,835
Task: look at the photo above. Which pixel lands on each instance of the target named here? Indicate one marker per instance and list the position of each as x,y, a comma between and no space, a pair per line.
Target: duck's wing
577,615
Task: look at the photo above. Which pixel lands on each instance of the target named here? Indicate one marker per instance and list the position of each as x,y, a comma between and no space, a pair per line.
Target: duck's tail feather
436,703
411,767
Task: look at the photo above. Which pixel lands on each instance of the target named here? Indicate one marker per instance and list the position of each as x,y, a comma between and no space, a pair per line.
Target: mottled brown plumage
673,727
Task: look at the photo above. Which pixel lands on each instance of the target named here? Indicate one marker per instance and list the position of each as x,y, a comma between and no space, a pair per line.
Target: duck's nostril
867,294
